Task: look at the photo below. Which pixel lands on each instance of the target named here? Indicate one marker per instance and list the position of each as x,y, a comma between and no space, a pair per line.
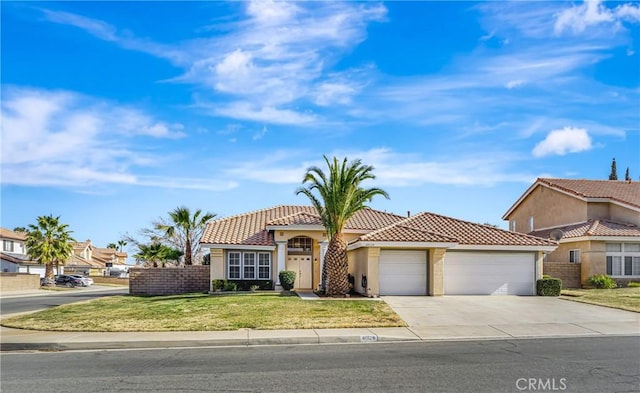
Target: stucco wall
359,266
549,208
169,280
18,282
622,214
598,210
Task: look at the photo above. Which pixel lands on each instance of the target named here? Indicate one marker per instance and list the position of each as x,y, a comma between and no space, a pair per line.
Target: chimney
408,213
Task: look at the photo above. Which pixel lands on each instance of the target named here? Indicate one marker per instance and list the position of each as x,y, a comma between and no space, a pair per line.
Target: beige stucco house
425,254
13,256
95,261
597,224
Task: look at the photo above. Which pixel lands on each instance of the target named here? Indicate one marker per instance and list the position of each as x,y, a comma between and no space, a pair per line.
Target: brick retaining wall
169,280
569,273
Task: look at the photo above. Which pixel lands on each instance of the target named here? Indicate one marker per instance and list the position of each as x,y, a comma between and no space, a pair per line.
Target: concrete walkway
430,319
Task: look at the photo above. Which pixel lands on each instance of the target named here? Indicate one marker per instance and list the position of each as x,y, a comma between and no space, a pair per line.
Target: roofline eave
407,245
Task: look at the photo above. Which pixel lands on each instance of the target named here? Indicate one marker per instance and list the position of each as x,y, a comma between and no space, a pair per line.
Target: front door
301,264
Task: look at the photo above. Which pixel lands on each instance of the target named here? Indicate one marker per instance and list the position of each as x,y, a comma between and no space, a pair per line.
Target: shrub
245,285
633,285
287,279
549,287
217,285
230,286
602,281
254,288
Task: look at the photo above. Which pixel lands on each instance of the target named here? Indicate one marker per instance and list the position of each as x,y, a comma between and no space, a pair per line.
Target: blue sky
114,113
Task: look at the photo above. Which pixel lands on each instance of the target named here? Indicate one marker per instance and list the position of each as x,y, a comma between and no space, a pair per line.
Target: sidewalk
20,340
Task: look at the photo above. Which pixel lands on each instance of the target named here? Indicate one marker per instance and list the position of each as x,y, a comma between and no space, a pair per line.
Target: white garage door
403,272
478,273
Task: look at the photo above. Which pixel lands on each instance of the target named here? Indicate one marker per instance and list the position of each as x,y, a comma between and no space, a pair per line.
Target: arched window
300,244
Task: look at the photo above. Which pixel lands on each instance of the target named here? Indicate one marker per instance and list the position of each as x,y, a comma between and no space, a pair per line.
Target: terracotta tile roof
403,233
593,228
81,245
15,258
620,191
9,234
250,228
300,218
76,261
459,231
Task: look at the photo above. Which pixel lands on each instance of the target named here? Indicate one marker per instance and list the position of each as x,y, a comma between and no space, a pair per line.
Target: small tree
121,244
156,253
614,171
112,245
186,229
49,242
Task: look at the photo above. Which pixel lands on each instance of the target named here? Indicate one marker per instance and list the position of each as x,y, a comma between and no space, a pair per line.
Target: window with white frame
7,245
623,259
248,265
574,256
233,270
264,266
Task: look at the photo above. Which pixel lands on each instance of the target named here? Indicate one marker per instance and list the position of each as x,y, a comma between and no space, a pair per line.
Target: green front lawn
622,298
208,313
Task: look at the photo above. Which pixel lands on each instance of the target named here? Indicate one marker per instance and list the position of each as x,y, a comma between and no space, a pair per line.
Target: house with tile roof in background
13,257
95,261
86,259
424,254
596,222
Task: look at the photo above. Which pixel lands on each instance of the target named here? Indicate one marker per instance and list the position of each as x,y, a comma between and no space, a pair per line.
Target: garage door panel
403,272
489,273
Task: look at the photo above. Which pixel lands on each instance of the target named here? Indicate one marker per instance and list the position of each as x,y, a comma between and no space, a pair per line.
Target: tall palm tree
340,196
49,242
187,228
121,244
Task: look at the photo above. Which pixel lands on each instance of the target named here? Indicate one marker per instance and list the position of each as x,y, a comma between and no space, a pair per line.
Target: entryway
302,265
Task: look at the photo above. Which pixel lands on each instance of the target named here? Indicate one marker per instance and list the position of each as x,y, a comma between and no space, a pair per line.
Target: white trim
360,244
256,265
295,228
238,247
600,238
504,248
561,226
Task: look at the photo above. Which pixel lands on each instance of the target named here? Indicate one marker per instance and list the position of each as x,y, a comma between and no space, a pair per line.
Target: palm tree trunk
337,266
49,277
187,251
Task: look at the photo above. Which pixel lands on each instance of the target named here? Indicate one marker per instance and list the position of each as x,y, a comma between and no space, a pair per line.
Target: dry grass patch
622,298
199,312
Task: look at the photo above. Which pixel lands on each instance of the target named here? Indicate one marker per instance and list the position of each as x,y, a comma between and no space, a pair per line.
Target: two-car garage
404,272
489,273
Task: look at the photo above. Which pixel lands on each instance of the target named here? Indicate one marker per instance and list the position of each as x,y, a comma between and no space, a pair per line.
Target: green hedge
287,279
602,281
549,287
241,285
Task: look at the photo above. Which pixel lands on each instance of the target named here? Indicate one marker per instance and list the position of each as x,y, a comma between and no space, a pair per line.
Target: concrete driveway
504,316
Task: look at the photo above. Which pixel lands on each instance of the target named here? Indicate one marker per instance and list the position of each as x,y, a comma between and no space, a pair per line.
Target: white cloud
563,141
260,134
593,13
514,83
391,168
62,138
278,55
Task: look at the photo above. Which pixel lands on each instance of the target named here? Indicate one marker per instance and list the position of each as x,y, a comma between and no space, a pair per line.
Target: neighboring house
388,254
597,224
13,257
94,261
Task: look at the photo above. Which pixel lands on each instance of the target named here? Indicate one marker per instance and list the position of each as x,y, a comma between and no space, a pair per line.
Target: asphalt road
602,364
12,305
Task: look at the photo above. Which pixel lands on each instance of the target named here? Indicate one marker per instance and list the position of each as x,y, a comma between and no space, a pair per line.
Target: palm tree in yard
157,253
339,196
187,228
49,242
